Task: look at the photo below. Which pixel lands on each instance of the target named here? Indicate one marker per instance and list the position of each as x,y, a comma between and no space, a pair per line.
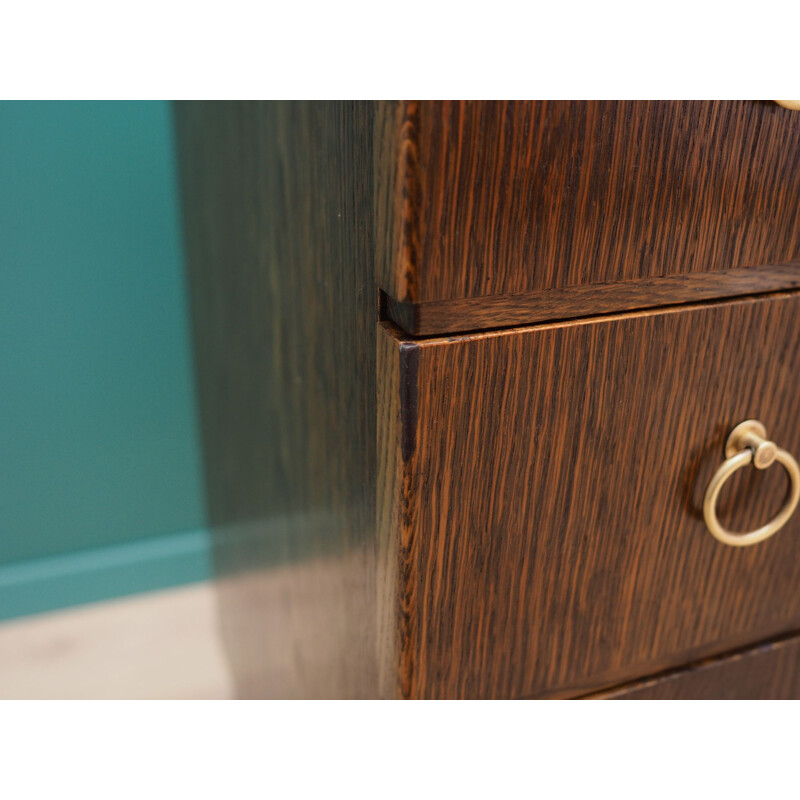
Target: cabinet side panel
278,212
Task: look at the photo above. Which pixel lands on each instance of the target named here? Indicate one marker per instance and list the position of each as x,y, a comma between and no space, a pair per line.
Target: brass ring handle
748,444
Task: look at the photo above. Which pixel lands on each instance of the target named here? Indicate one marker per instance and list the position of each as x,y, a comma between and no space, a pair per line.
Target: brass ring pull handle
748,444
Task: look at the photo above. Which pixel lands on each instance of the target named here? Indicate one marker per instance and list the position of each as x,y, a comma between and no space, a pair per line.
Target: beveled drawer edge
574,302
401,336
771,644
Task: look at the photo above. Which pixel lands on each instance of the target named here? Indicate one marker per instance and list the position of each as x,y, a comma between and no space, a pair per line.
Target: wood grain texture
768,672
549,498
501,515
502,311
278,209
509,198
397,384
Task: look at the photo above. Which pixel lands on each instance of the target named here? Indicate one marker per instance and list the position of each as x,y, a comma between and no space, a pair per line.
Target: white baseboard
163,645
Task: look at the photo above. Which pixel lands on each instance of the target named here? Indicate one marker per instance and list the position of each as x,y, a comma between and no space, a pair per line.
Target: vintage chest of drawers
469,373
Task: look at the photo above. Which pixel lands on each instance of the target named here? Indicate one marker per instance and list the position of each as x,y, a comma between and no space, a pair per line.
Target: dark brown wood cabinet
766,672
553,478
466,371
506,213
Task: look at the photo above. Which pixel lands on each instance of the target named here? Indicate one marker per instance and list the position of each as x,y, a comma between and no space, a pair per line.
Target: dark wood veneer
502,311
479,199
768,672
278,211
501,514
550,532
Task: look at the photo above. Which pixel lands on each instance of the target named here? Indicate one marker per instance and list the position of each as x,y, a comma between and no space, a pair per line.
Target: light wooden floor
159,645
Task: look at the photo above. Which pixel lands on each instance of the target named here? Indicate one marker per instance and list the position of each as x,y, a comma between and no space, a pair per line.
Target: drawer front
541,499
482,199
769,672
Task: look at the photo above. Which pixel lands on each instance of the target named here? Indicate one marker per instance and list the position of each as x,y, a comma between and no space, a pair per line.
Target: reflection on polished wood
278,215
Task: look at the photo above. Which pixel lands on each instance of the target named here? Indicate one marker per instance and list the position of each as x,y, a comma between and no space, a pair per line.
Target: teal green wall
100,474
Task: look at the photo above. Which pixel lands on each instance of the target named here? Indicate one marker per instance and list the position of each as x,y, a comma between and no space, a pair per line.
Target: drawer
498,213
541,499
768,672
